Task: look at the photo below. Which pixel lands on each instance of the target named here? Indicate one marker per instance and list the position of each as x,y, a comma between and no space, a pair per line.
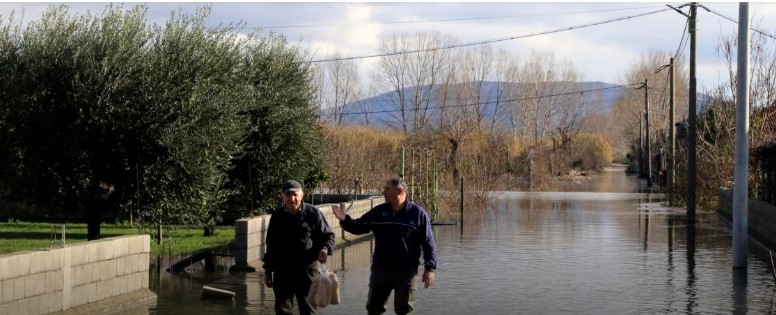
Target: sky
600,52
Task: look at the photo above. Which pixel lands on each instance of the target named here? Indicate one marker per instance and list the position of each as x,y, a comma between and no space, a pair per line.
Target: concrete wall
59,279
250,233
761,215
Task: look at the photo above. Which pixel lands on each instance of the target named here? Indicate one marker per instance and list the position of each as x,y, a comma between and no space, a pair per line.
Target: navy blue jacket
294,241
398,239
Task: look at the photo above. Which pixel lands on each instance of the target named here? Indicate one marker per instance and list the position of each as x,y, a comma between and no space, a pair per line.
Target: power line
492,40
489,102
453,19
679,50
682,42
735,21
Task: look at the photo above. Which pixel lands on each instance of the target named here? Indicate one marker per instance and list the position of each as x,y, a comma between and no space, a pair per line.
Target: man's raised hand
339,211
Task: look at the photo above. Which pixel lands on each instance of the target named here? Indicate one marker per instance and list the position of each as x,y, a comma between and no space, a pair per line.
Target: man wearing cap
401,229
298,238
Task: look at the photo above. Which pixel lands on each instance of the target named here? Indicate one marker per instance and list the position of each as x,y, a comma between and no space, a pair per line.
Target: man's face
389,192
293,199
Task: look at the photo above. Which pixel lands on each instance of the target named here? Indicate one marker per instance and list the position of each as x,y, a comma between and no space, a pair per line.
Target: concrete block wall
250,233
53,280
761,217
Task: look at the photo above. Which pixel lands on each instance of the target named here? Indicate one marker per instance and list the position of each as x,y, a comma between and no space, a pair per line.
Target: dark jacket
399,239
294,240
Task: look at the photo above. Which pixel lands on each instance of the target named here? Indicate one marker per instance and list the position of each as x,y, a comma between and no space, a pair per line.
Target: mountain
382,111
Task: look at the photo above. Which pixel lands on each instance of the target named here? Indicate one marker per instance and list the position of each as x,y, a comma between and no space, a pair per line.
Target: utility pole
741,171
671,162
692,121
641,144
646,120
671,135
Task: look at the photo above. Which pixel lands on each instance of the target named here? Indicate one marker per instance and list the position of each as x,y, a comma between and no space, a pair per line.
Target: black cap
291,185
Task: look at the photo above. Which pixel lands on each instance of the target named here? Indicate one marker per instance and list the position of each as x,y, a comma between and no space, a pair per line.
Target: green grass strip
23,236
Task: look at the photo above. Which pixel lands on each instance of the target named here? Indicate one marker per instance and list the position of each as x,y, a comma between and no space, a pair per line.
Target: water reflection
739,291
585,252
691,290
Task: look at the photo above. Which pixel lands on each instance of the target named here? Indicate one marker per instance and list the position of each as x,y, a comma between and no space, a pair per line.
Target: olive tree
70,84
282,139
103,111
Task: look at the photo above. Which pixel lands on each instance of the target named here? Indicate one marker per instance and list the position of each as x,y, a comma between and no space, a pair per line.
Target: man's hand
339,211
323,255
428,278
268,280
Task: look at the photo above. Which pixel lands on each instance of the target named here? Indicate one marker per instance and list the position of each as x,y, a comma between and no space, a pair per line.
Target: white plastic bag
335,294
322,295
324,289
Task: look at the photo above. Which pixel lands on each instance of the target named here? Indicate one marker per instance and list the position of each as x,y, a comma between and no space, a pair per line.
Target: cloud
601,52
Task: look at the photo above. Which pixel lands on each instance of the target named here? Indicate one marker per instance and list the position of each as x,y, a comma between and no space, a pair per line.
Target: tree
628,110
69,84
282,139
342,89
106,112
546,104
477,69
717,121
194,94
412,76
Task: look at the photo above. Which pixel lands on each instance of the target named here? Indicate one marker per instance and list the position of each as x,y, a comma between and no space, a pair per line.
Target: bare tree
342,89
544,83
628,111
762,87
506,71
411,67
508,74
317,82
456,119
716,124
476,68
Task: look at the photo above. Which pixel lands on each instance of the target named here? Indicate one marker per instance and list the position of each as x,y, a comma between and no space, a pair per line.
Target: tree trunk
93,223
208,231
101,198
530,166
159,233
453,158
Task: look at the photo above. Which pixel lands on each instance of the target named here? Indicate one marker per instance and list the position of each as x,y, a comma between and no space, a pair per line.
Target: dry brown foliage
487,161
359,159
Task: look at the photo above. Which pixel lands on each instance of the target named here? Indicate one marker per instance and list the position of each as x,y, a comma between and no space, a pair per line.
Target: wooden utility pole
692,120
641,144
648,144
671,135
692,134
671,160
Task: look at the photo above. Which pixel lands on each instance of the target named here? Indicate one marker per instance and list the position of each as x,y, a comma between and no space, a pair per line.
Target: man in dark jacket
297,236
401,229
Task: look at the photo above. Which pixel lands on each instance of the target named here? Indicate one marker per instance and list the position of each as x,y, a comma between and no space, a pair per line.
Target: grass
22,236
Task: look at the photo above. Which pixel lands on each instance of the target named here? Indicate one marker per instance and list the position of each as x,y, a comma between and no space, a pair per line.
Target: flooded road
605,246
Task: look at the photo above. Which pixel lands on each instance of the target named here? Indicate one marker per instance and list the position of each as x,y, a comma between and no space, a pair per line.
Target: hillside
382,111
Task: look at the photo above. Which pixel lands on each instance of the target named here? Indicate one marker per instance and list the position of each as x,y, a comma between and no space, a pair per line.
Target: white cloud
601,52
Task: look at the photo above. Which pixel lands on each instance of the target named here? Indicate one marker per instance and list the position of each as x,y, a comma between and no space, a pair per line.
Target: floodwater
603,246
